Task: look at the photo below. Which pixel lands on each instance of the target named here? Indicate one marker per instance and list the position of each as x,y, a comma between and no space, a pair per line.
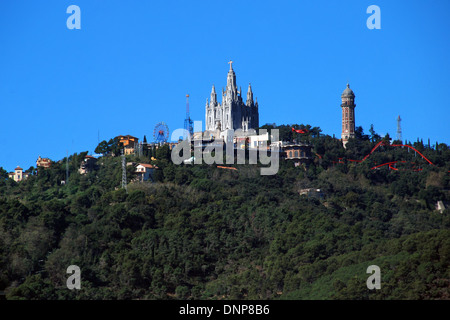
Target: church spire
231,81
250,92
249,95
213,94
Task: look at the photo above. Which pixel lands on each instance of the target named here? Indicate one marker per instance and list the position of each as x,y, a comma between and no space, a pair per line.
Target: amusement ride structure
161,133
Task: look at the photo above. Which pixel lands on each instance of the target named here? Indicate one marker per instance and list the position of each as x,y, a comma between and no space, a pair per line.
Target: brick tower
348,115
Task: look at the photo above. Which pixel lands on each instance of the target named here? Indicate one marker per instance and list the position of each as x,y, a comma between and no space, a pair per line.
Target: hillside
201,232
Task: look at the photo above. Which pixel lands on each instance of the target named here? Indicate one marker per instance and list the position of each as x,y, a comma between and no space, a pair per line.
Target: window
296,153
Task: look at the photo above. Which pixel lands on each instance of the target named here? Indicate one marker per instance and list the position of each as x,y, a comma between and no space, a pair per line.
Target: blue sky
132,63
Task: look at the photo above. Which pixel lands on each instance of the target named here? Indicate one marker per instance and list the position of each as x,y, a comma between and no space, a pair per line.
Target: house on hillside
312,193
43,162
129,143
18,174
297,151
87,165
144,172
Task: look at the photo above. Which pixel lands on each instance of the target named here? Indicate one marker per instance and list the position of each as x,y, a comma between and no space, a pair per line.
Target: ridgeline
202,232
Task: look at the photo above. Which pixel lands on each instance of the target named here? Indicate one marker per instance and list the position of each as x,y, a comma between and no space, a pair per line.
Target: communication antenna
140,149
67,167
124,172
399,129
188,129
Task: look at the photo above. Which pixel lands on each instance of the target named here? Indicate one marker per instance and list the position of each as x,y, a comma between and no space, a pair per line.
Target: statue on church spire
231,83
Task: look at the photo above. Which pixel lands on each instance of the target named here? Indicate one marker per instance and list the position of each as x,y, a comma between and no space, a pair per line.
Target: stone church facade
233,113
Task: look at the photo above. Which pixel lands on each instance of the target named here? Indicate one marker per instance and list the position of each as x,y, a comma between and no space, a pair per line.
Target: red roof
18,168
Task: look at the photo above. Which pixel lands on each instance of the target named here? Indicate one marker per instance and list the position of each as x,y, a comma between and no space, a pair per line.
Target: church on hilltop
223,119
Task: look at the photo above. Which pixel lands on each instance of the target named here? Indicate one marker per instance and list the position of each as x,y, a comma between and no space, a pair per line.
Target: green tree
102,148
373,135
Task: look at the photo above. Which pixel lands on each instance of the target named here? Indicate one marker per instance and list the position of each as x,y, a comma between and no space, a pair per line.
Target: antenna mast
399,129
67,168
188,129
124,173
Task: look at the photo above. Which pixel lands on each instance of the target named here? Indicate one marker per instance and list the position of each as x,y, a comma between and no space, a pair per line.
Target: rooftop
348,92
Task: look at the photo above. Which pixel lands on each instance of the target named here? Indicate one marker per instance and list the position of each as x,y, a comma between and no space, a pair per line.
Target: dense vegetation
201,232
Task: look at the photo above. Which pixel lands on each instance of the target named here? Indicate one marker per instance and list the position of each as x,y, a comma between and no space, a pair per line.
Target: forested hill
202,232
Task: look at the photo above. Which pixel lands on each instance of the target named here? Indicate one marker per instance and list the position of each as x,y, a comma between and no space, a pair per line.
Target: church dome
348,92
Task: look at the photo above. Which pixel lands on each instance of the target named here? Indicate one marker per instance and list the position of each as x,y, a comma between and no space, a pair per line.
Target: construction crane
188,128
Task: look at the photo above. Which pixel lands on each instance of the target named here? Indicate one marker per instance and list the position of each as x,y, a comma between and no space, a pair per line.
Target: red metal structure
230,168
300,130
383,143
391,163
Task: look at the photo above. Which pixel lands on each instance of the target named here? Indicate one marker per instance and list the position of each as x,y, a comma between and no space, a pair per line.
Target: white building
258,141
144,172
18,174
